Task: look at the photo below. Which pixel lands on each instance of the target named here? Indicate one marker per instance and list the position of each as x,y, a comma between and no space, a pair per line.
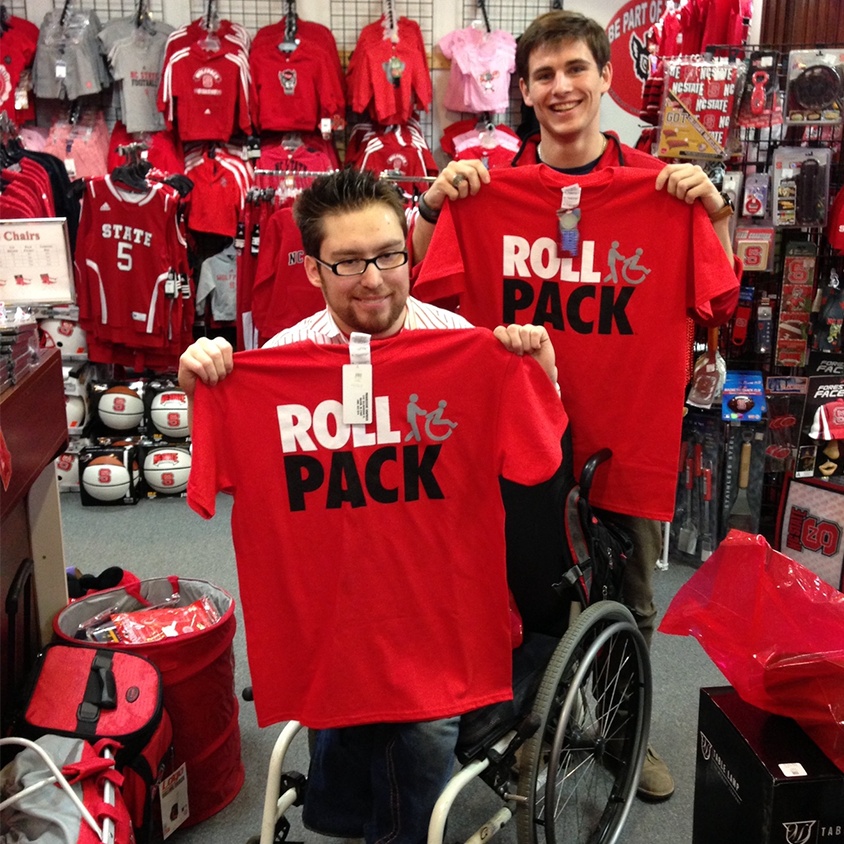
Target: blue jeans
379,781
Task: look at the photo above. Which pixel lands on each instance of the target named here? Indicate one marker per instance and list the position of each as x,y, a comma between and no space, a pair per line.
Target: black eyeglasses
357,266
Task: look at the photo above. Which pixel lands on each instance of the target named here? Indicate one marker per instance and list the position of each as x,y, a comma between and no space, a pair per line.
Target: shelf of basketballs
128,437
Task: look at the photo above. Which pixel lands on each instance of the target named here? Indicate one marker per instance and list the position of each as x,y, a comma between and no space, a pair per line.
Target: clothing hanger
291,26
391,21
484,15
210,23
133,174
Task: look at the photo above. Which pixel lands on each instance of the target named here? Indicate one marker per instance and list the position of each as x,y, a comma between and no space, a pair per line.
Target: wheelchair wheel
579,772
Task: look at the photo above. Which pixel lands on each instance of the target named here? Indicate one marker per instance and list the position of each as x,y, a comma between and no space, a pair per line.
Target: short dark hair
554,28
349,189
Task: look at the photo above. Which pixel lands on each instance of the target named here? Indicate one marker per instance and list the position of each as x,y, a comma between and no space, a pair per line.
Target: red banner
628,54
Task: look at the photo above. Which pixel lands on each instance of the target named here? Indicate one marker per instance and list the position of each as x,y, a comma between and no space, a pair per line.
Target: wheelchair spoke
583,764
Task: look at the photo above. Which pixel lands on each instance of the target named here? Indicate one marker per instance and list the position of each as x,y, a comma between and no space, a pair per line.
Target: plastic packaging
776,631
153,625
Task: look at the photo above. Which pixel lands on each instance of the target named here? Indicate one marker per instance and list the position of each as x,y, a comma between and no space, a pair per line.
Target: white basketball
166,469
75,409
169,413
120,408
106,479
64,335
67,469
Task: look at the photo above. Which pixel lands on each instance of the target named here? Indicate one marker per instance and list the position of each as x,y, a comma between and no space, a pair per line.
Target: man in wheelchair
377,545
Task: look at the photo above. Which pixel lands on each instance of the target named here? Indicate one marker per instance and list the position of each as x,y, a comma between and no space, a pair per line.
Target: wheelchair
565,754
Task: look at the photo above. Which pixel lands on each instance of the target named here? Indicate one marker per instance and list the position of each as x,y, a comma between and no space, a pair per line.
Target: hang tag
61,70
21,99
568,217
357,393
569,235
357,381
173,793
325,127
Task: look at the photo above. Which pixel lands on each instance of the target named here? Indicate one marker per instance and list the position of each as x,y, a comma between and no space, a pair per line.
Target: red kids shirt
616,313
371,558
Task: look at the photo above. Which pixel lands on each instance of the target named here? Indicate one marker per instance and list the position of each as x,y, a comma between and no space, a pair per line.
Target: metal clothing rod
313,174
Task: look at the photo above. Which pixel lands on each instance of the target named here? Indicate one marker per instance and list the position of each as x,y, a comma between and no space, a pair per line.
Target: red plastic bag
776,631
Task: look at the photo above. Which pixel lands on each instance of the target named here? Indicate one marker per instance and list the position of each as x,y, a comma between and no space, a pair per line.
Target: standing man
564,71
368,634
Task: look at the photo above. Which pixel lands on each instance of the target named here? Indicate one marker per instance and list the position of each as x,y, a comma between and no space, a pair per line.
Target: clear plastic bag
776,631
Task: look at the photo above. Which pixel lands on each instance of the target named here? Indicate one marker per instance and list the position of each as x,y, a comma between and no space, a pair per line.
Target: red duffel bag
197,672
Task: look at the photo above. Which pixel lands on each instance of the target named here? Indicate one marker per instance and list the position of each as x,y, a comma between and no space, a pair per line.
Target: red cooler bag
197,672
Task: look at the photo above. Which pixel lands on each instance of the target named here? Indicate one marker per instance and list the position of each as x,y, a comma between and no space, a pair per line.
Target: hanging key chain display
761,99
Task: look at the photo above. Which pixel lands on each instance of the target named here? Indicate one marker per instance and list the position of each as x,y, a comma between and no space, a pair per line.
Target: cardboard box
760,779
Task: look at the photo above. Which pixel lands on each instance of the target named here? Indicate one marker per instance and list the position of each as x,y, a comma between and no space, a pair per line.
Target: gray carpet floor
163,537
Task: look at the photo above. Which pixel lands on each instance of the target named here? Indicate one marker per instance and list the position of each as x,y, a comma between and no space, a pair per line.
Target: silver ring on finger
457,181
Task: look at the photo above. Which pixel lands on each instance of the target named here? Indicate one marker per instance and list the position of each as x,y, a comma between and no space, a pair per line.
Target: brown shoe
655,784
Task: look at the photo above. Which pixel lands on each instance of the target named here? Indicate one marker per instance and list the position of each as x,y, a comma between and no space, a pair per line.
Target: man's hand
209,360
532,340
474,175
688,182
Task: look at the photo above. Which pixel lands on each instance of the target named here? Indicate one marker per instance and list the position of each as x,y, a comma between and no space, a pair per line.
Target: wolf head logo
705,747
639,54
799,832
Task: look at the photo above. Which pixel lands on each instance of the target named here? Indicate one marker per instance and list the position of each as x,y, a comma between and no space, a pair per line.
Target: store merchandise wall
436,18
164,537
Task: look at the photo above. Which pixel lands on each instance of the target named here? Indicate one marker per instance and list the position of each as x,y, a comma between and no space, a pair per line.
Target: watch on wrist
726,210
426,212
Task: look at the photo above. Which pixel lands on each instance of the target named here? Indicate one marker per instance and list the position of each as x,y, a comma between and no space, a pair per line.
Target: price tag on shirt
357,393
61,69
357,381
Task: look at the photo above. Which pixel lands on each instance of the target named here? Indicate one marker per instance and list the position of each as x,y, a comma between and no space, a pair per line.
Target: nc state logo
705,747
799,832
207,77
288,79
640,56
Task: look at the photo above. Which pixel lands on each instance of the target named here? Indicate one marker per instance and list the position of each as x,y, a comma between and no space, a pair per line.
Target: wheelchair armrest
589,468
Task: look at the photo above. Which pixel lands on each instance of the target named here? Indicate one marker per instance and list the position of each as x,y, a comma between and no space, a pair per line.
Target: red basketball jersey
127,244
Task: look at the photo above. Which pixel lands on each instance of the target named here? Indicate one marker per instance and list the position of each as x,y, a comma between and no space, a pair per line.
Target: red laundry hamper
197,672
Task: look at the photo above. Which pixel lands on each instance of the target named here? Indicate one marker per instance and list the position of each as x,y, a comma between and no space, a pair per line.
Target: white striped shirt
321,327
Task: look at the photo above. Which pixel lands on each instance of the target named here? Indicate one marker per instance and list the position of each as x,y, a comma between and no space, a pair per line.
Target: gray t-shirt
218,281
136,62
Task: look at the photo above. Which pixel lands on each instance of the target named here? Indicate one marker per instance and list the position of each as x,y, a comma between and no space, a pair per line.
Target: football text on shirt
599,302
402,468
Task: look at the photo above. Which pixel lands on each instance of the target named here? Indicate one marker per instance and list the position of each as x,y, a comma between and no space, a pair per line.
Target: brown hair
552,29
349,189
